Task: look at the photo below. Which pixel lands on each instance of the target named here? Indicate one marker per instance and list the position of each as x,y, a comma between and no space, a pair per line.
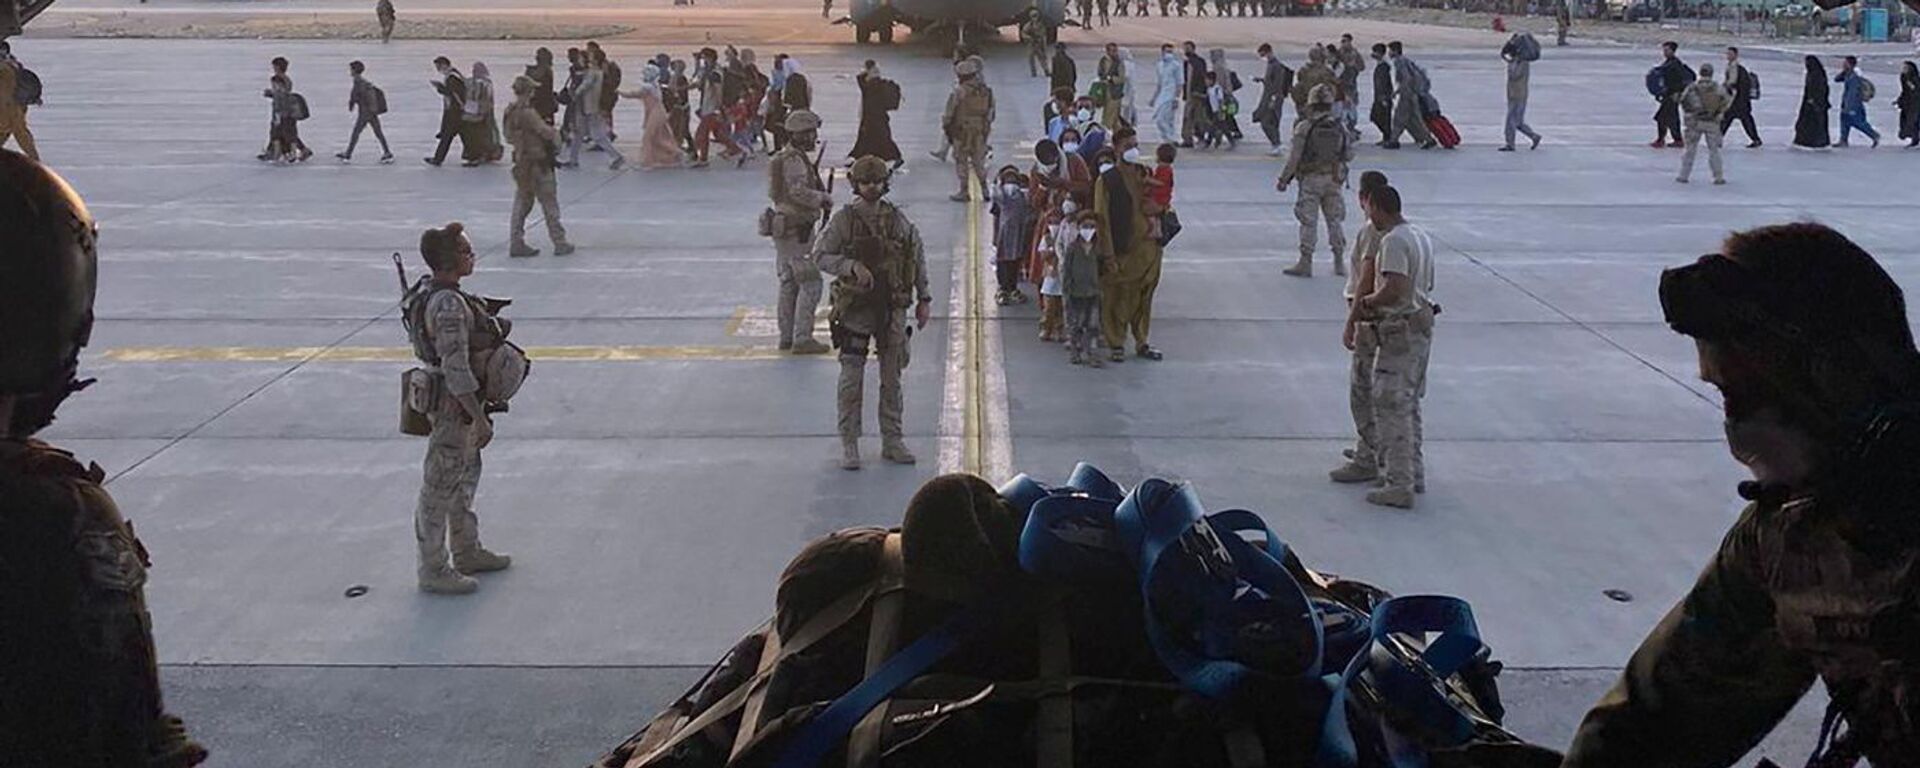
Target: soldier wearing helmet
1807,339
799,203
880,273
968,121
1322,147
79,676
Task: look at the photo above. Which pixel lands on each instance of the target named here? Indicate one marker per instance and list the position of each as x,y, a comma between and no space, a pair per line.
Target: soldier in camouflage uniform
968,121
79,684
880,272
1806,337
1395,319
535,144
1321,150
455,326
800,201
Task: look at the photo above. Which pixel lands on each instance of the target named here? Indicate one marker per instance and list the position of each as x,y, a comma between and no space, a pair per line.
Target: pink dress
658,149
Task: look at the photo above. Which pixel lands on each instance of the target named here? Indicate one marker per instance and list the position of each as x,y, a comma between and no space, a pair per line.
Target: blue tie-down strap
829,729
1412,691
1069,533
1221,611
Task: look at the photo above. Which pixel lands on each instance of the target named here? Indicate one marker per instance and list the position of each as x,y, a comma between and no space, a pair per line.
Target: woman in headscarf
482,129
1128,115
1909,104
570,117
658,147
878,96
1810,131
1226,124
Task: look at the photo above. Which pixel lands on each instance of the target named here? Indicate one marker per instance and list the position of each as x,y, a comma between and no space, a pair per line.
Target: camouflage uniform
1318,159
444,522
79,684
798,197
968,120
1401,338
1796,592
862,319
534,143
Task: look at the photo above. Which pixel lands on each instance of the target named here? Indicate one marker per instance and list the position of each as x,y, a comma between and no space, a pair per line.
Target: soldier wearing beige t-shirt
1398,315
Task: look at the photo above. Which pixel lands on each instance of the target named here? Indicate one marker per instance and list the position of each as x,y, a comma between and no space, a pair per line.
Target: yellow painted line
615,354
973,456
733,324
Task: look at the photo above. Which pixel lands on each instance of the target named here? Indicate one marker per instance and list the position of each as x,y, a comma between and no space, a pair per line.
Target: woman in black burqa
1810,131
1909,103
878,96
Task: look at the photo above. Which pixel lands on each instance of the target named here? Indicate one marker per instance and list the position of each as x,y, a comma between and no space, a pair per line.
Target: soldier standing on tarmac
800,202
1807,339
78,681
880,271
535,144
1321,151
967,122
454,333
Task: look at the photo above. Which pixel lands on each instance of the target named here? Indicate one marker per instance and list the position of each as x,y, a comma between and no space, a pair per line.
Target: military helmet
801,121
967,67
1322,95
522,85
869,170
47,278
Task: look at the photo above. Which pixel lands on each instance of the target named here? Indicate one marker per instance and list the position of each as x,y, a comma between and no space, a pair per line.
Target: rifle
818,157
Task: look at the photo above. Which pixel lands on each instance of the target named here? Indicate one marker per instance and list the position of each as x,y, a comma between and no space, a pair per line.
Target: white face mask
1010,190
1104,167
1132,155
1084,115
1067,206
1086,233
1166,55
1071,146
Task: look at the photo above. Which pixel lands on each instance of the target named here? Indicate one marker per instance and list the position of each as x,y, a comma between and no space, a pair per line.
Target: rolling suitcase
1443,131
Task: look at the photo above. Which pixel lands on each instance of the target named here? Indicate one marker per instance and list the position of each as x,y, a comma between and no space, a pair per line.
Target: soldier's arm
799,181
919,252
547,133
953,105
992,112
1707,684
830,247
448,320
1293,154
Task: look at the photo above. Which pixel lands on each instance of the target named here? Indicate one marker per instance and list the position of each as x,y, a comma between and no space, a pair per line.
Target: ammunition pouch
770,221
419,396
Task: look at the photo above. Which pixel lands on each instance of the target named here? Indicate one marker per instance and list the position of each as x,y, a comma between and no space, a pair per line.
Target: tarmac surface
663,463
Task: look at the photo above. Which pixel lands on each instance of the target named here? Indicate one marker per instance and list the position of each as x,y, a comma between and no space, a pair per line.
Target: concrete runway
662,466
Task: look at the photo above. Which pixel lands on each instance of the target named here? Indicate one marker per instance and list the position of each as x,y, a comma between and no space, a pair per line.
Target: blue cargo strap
1413,692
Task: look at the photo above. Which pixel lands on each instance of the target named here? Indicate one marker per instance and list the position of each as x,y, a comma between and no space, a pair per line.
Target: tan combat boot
1302,268
810,347
897,453
446,581
1354,472
849,454
480,560
1392,497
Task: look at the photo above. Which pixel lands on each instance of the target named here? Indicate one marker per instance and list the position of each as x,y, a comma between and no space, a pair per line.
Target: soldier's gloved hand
482,431
922,312
861,276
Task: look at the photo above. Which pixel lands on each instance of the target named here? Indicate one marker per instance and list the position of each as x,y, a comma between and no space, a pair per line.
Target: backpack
1751,82
1656,83
889,95
376,101
1866,89
26,89
1084,625
1523,47
1327,143
300,111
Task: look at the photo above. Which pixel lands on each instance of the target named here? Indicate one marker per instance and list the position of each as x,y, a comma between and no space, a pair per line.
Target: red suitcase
1443,131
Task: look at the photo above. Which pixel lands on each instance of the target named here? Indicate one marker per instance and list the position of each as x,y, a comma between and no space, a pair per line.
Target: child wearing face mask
1059,232
1012,234
1082,259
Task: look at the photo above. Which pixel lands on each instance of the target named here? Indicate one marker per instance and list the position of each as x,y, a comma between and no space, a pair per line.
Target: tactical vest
1325,148
976,102
500,365
877,244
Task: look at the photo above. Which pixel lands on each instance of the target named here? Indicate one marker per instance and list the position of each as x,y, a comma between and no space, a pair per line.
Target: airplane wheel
886,35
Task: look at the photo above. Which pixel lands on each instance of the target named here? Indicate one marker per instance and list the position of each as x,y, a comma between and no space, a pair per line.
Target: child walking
1060,227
